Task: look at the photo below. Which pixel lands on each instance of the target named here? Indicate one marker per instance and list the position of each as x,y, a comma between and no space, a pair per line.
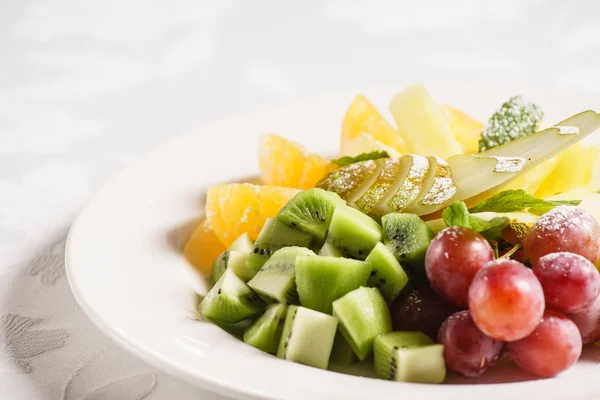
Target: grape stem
510,252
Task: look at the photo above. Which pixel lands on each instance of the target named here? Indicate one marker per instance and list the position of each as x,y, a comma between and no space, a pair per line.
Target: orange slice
203,247
232,209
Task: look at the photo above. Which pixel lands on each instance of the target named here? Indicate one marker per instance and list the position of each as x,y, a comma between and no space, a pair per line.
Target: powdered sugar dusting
558,219
567,130
509,164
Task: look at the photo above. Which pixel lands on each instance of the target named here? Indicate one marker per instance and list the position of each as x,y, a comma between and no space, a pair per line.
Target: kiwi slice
310,211
265,332
409,357
407,236
353,232
322,280
307,337
363,315
342,353
243,244
276,280
386,272
329,250
230,300
273,236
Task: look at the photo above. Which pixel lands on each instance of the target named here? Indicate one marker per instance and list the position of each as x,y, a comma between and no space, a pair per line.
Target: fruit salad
431,245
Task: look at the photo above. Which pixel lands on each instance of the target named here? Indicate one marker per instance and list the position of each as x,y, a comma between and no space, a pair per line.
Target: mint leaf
519,200
457,214
373,155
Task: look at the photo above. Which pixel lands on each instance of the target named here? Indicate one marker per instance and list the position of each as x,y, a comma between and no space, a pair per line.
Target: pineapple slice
365,143
466,129
422,123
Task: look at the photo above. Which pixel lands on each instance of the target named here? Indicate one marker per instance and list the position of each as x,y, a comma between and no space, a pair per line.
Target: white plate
126,270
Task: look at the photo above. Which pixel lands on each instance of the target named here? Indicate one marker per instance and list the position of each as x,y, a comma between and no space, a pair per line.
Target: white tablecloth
86,87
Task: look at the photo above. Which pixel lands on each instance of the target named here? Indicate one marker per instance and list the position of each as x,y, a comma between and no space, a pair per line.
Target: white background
86,87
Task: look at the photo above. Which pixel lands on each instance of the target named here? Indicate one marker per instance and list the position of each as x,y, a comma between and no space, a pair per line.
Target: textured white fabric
86,87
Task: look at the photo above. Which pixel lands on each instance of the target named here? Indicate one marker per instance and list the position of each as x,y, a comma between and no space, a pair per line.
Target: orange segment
467,130
203,247
286,163
233,209
363,117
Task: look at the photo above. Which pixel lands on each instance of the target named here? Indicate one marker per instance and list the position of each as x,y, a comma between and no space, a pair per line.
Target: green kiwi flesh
329,250
386,272
230,300
307,337
265,332
342,353
353,232
322,280
273,236
310,211
363,315
276,280
243,244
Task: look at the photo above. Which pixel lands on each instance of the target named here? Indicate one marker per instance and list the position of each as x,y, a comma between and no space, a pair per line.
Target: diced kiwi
273,236
276,280
310,211
322,280
230,300
409,357
386,272
243,244
329,250
237,262
353,232
307,337
408,237
342,353
363,315
265,332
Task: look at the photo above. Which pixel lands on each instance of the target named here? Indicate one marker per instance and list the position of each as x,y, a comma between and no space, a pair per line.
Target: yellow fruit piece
363,117
575,169
288,164
466,129
365,143
203,247
233,209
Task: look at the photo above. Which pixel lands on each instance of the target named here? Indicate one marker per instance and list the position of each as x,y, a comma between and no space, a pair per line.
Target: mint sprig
457,214
373,155
519,200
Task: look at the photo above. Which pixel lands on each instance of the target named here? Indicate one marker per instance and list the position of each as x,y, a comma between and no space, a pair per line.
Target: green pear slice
384,181
438,188
351,181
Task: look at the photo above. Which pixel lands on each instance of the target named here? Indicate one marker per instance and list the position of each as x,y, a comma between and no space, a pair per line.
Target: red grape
551,348
570,281
467,350
506,300
588,322
420,309
452,260
564,228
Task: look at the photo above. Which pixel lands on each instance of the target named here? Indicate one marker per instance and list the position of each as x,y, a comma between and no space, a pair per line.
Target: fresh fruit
362,315
310,211
276,280
351,181
342,353
453,258
551,348
288,164
353,232
420,309
365,143
203,248
242,244
466,129
588,322
384,181
237,263
407,237
329,250
265,332
274,236
307,337
438,187
386,272
409,357
571,282
322,280
506,300
422,123
467,350
564,228
237,208
230,300
362,117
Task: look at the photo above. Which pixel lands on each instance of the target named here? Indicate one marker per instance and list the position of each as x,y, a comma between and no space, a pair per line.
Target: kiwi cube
242,244
237,263
342,353
353,232
386,272
322,280
265,332
307,337
363,315
329,250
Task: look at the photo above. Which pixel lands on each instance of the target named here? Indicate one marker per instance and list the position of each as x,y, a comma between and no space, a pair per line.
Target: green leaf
519,200
457,214
373,155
